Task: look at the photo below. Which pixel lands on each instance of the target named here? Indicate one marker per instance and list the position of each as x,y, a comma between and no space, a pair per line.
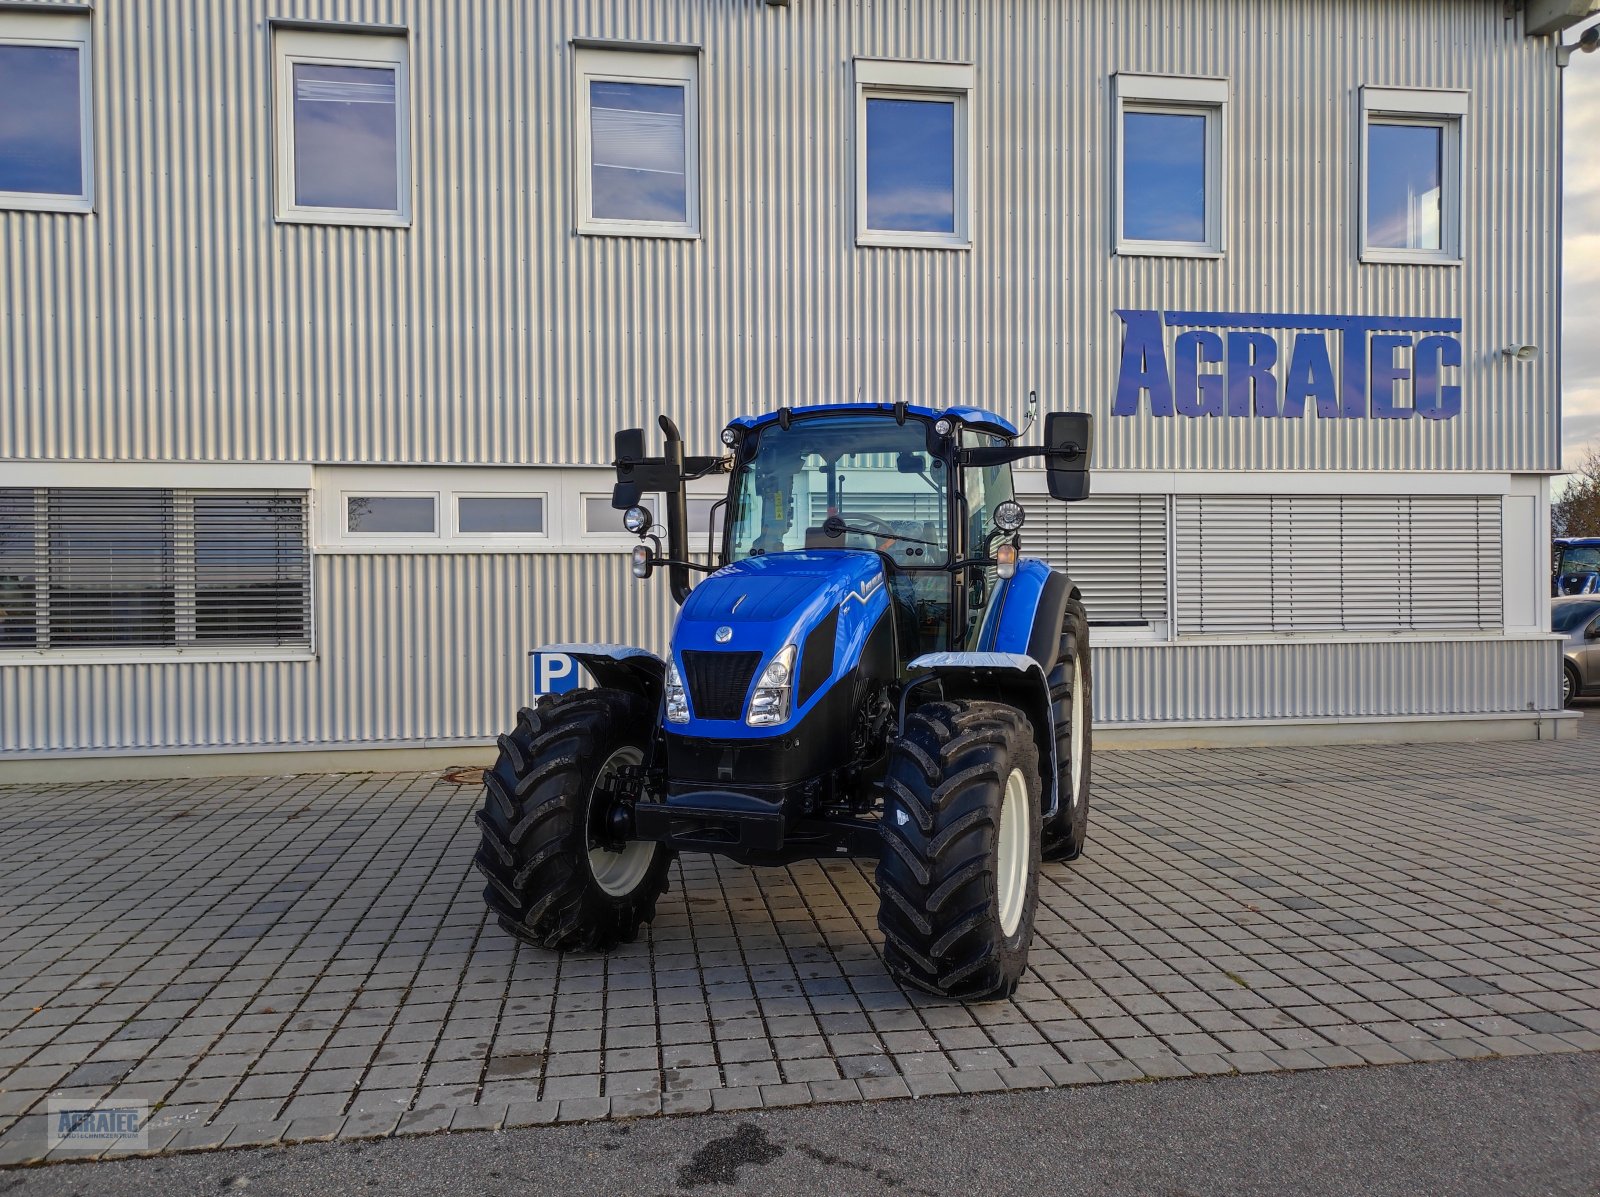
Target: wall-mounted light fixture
1521,353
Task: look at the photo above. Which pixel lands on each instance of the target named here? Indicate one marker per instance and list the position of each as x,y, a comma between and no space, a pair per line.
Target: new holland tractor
870,669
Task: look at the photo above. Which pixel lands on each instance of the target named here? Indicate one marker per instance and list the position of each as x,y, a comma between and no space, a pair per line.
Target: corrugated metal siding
1318,680
409,648
180,322
414,648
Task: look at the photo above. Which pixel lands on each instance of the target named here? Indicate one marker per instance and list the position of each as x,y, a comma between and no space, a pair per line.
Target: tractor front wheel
557,875
958,879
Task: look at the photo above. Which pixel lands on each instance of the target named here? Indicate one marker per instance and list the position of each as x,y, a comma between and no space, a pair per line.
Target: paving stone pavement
299,958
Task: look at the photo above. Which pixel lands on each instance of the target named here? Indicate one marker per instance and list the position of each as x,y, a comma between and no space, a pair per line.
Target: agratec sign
1281,366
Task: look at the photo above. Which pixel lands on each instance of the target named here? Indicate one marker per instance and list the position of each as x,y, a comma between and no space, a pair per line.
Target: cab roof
973,417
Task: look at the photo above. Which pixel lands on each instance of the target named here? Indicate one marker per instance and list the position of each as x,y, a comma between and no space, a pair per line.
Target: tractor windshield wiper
835,527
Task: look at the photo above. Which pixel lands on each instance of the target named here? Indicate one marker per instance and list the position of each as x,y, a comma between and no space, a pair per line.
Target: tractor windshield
843,482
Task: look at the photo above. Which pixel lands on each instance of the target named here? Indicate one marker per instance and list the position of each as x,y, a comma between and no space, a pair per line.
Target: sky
1580,332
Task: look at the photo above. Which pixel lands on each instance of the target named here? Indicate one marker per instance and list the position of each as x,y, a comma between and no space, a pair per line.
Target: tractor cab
830,481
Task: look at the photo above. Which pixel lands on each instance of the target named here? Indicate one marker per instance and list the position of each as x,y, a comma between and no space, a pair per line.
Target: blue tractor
871,669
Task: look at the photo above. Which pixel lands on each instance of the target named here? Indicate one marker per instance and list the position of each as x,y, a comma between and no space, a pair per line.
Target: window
1114,547
638,143
391,515
1329,563
500,515
913,154
1169,193
46,135
153,569
1411,175
343,128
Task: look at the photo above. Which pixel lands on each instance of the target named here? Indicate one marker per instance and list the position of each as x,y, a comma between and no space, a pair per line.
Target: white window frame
1430,108
494,538
68,30
341,48
942,82
179,477
674,66
1172,95
347,533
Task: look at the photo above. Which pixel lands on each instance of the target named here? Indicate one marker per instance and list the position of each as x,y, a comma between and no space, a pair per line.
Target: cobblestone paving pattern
304,958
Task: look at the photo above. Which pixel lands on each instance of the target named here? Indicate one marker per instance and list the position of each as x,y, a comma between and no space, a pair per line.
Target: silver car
1578,619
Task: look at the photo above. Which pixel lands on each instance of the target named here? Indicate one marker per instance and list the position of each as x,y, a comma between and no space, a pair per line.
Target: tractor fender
1026,613
619,667
1013,678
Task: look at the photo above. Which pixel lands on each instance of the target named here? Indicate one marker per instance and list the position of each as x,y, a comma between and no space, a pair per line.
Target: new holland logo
724,634
1275,366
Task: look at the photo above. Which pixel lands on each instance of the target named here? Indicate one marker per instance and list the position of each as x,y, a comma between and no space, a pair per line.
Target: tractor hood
747,612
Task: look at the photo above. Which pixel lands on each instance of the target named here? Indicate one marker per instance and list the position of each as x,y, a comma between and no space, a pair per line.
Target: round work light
1009,516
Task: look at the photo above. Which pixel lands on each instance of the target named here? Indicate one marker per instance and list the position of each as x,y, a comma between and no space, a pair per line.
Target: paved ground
1497,1128
302,958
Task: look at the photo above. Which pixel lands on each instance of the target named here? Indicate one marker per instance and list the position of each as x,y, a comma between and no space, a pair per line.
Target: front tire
958,879
1569,685
554,877
1071,696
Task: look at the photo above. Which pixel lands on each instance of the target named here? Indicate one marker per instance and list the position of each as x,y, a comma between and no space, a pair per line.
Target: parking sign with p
554,673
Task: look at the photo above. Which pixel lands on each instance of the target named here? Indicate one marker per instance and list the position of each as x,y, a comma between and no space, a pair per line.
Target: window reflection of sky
346,151
1404,173
911,161
41,146
639,150
1164,177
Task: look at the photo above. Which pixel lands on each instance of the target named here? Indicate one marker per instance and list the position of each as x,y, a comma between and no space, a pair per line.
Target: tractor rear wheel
958,879
557,876
1071,694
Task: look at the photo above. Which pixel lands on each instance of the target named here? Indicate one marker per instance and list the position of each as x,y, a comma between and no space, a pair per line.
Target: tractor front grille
718,682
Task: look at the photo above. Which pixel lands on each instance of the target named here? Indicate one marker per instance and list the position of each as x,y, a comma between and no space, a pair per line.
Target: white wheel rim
1011,867
1566,687
1079,720
619,873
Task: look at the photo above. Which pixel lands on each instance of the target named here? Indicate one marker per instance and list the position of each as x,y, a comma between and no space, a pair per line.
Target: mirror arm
1002,454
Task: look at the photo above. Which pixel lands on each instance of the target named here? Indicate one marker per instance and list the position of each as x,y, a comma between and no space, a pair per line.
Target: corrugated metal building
317,317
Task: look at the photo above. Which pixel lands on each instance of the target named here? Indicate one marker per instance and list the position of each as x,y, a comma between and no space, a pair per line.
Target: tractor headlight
637,520
677,700
769,703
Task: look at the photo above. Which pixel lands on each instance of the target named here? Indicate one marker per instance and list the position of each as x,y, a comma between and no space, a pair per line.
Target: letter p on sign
554,673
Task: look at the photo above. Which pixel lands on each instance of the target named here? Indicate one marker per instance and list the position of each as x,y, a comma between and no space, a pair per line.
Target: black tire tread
533,847
1066,832
935,876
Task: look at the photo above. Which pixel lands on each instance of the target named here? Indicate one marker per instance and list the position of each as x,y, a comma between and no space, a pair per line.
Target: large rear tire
555,877
1071,696
958,880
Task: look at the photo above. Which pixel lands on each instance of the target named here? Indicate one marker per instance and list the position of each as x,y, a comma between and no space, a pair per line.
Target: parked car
1578,619
1575,565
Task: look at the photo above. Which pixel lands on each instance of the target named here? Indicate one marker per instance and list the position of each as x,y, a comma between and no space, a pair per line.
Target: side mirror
629,443
1069,435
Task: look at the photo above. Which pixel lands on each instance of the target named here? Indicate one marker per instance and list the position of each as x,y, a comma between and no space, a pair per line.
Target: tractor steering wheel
887,533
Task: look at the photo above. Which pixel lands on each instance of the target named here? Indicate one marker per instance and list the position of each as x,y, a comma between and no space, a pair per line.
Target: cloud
1580,331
